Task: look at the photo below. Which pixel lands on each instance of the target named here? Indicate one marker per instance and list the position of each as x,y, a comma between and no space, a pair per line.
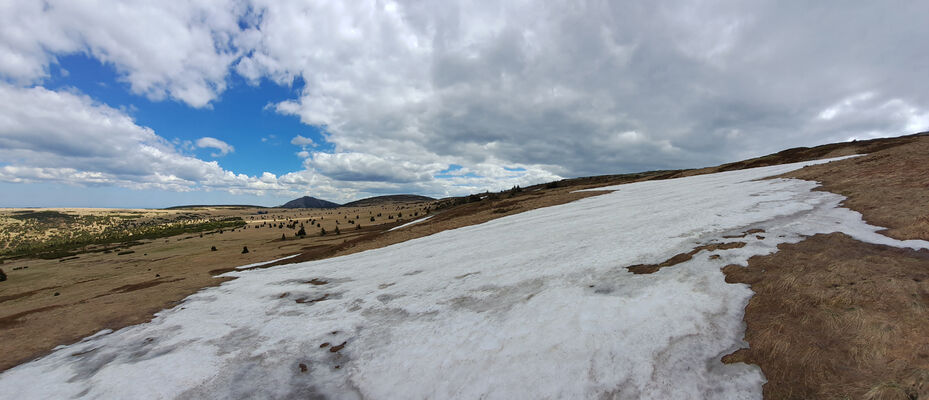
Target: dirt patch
26,294
834,318
744,234
143,285
304,300
336,349
683,257
15,319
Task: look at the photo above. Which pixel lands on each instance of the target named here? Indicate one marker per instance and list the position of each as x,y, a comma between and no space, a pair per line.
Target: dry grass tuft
888,391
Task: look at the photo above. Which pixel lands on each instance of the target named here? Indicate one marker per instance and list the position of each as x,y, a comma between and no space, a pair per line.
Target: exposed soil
683,257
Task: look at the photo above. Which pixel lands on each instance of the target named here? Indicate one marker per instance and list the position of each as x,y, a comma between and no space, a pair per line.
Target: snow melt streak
535,305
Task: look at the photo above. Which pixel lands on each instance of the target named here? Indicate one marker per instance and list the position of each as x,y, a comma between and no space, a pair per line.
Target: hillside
832,305
394,198
196,206
309,202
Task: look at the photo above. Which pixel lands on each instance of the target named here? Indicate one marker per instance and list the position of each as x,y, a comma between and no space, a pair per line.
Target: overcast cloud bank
515,93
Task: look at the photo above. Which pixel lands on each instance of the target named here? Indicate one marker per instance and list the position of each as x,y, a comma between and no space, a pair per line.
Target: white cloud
301,141
177,50
403,89
213,143
66,137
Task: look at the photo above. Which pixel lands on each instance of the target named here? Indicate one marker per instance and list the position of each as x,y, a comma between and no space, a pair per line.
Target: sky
154,104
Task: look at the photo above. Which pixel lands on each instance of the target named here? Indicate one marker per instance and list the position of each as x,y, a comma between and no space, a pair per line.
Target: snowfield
534,305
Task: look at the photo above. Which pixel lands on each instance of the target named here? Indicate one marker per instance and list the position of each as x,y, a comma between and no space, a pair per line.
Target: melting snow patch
265,262
533,305
409,223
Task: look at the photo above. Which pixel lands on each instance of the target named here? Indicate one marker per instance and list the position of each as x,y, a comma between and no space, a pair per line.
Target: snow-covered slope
534,305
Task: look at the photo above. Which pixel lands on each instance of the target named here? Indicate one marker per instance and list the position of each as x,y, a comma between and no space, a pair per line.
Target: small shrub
212,248
244,249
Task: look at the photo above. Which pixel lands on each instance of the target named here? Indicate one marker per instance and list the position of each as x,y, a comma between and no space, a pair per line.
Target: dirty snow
533,305
409,223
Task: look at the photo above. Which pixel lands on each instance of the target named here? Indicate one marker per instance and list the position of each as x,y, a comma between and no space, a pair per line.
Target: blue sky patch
240,116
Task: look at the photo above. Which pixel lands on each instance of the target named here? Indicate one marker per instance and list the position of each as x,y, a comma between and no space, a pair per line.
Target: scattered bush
212,248
244,249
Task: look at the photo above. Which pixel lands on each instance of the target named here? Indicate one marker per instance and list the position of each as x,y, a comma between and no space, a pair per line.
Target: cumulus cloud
62,136
301,141
67,137
403,89
177,50
213,143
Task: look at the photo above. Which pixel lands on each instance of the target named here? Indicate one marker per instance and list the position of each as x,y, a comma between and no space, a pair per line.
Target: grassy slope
457,212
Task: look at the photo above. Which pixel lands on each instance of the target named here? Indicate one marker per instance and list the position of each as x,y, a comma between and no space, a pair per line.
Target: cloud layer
405,89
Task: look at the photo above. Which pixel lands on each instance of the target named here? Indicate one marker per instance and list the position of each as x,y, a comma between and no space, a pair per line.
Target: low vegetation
53,234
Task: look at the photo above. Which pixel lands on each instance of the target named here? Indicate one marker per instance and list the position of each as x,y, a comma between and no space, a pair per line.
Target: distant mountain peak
309,202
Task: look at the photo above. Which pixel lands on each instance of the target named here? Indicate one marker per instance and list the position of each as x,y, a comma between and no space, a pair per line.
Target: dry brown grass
834,318
890,188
